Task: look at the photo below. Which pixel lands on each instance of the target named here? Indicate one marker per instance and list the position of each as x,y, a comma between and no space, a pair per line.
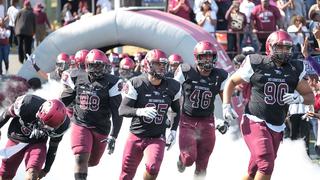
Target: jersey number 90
274,93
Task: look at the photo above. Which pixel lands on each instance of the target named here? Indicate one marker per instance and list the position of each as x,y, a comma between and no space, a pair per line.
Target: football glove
171,139
111,143
292,98
229,114
149,112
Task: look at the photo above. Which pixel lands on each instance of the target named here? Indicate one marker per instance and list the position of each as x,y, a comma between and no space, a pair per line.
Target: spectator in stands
207,18
180,8
198,3
83,8
265,17
249,39
313,25
66,14
12,14
291,8
2,9
4,46
42,21
25,28
236,24
298,32
103,6
223,5
314,8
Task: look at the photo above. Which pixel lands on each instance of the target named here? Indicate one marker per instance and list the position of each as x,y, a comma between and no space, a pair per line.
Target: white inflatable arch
148,29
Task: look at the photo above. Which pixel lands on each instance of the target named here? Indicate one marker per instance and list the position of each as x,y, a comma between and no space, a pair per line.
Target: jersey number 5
274,93
161,108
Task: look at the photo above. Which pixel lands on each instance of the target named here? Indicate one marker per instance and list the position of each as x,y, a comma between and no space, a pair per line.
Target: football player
62,64
69,76
126,70
174,61
146,99
34,120
273,78
200,85
97,98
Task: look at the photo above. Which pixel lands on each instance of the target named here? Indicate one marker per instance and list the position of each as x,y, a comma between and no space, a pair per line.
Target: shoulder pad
137,81
256,58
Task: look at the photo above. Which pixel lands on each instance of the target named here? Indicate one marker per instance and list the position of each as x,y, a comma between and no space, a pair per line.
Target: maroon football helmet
127,66
97,64
80,58
52,114
279,46
63,62
155,63
205,55
174,61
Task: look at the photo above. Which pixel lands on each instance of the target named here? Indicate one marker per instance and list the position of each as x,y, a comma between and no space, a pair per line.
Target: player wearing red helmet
70,75
62,64
33,120
97,97
146,99
174,61
126,70
200,85
273,78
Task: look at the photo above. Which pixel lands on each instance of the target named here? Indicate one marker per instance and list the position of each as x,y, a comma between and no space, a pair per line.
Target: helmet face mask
158,69
126,73
97,64
61,66
206,61
281,53
97,69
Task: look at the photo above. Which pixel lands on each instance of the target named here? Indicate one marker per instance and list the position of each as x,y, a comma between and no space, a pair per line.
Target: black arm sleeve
51,154
68,95
175,106
127,107
116,119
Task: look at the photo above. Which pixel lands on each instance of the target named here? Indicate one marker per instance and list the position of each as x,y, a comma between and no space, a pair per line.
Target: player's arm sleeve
175,106
246,71
12,111
68,95
130,95
5,116
313,62
127,108
115,102
51,154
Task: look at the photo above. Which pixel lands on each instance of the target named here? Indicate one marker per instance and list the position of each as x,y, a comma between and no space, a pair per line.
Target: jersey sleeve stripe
130,92
114,91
